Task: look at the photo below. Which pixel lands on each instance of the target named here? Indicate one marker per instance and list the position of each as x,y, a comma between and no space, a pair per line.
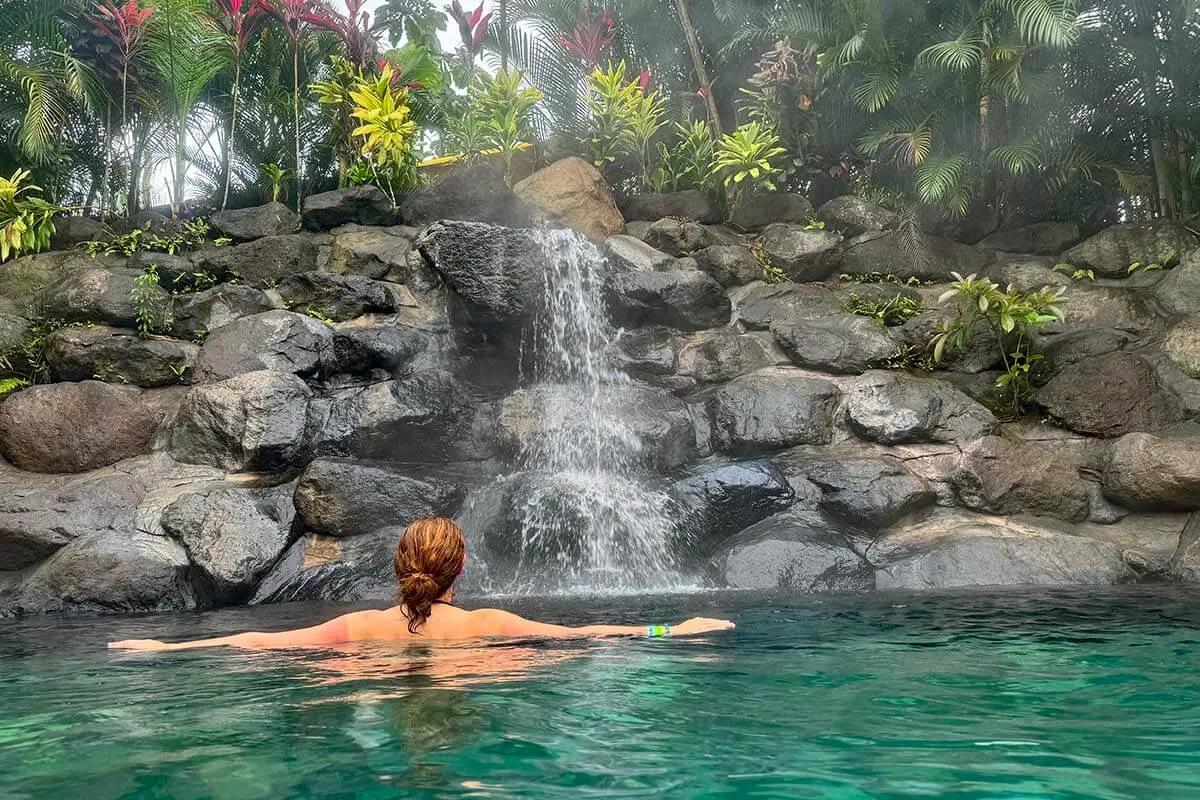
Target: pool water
1053,694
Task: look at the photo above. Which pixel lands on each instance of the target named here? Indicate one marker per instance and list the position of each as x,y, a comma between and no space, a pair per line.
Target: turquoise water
979,695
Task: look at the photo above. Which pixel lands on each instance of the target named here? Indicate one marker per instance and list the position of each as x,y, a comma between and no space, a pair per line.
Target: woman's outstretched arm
331,632
493,622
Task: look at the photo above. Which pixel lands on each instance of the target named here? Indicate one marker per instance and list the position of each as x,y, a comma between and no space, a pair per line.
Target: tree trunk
1187,200
503,35
1162,176
106,180
296,118
237,76
689,33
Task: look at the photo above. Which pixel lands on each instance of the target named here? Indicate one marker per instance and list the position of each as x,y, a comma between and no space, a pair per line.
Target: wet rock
633,255
252,422
338,297
847,346
757,211
245,224
317,567
572,193
869,492
852,215
772,409
1041,238
274,340
116,355
262,262
1001,476
1179,291
1185,564
930,258
890,408
475,193
371,343
683,299
1027,274
370,253
1155,472
346,498
40,275
686,204
1102,306
720,356
1110,395
197,315
15,330
982,350
762,305
645,353
364,205
73,427
96,296
802,255
1110,252
679,237
1182,345
718,502
730,264
70,232
1079,345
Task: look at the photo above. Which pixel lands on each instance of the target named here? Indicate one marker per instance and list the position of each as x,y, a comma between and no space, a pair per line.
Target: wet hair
429,558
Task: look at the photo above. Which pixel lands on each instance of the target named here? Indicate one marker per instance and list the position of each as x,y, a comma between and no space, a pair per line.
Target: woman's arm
493,622
332,632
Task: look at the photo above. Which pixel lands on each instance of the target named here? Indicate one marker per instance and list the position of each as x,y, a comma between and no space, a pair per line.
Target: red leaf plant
589,37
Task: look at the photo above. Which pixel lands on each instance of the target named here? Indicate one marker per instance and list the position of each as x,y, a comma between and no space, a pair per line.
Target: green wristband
658,631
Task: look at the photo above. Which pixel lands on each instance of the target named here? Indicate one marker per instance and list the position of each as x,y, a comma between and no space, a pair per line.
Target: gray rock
626,253
262,262
1182,345
96,295
683,299
847,346
762,305
1155,472
1027,274
116,355
718,502
1185,564
371,253
1001,476
801,254
891,409
679,237
1088,306
338,297
757,211
686,204
730,264
74,427
15,331
317,567
364,205
382,343
274,340
197,315
644,353
720,356
1179,291
40,275
475,193
1110,252
981,351
927,257
1081,344
772,409
1041,238
346,498
852,215
70,232
245,224
868,492
1110,395
253,422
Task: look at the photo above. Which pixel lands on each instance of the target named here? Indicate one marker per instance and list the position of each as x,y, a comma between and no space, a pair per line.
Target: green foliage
317,313
1076,273
9,385
276,178
896,311
503,109
626,118
814,225
151,303
743,161
188,236
687,162
1163,260
26,222
385,132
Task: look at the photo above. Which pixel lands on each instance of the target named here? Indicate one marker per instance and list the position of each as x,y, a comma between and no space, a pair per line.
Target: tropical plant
26,221
276,178
743,161
239,21
385,131
10,385
502,109
472,30
686,163
151,305
888,313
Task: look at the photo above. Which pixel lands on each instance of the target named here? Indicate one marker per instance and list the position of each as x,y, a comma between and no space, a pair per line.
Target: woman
430,556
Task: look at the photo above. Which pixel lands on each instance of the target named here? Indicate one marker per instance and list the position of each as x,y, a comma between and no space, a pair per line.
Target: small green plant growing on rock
1076,273
896,311
814,225
771,273
150,303
882,277
275,179
189,236
317,313
1167,258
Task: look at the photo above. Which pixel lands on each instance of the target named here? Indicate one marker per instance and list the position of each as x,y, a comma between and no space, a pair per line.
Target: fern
9,385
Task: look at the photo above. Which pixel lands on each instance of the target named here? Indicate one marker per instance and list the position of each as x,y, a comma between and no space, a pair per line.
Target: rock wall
340,381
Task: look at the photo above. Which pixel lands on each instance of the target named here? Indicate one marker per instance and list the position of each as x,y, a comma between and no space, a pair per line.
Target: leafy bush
152,306
503,111
385,132
190,236
687,163
26,222
897,311
743,161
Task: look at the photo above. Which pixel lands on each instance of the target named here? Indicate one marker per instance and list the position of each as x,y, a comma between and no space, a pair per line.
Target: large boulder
343,569
1155,472
74,427
372,253
1040,238
644,353
257,421
262,262
1182,345
571,193
772,409
762,305
1185,564
757,211
730,264
233,535
277,340
245,224
718,502
683,299
97,295
1106,306
362,205
116,355
847,346
380,343
891,408
336,297
476,193
802,255
630,254
720,356
679,237
15,331
197,315
1179,291
685,204
1110,395
871,493
1111,251
42,274
852,216
345,498
1001,476
923,256
70,232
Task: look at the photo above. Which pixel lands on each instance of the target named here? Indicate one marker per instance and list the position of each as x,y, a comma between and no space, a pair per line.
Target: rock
15,330
683,299
74,427
930,258
1110,252
789,551
852,216
1027,274
475,193
109,572
762,305
869,492
802,255
1103,306
1041,238
1179,291
628,254
232,535
1081,344
1110,395
1155,472
274,340
364,205
718,502
370,253
757,211
345,498
891,408
42,274
953,548
115,355
245,224
197,315
849,346
730,264
1185,565
1182,345
573,194
772,409
262,262
337,297
70,232
644,353
679,237
980,352
97,296
317,567
373,343
686,204
1001,476
720,356
257,421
